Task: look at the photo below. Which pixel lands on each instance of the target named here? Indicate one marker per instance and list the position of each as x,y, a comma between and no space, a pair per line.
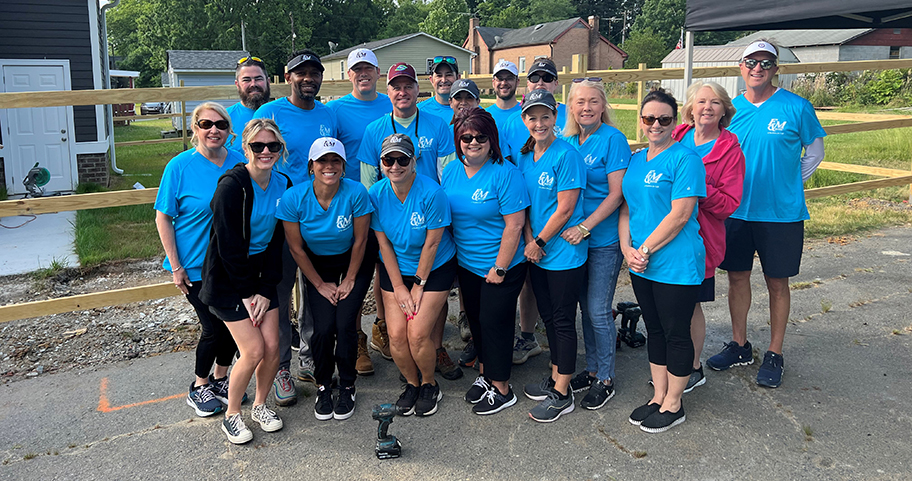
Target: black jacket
229,273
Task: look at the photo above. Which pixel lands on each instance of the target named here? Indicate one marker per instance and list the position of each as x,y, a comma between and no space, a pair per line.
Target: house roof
488,33
721,53
378,44
804,38
534,35
204,59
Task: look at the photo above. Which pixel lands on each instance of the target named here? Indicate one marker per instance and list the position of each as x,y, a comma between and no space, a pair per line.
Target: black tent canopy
706,15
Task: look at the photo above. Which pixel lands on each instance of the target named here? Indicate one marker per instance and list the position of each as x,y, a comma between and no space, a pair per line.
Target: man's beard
254,99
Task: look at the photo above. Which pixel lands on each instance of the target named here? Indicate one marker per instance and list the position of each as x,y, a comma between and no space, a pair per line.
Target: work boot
380,340
363,365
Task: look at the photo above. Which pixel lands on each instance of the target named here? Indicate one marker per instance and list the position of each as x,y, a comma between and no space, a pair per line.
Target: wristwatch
644,249
583,230
540,242
418,280
500,271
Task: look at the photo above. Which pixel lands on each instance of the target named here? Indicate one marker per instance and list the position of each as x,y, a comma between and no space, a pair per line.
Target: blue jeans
596,298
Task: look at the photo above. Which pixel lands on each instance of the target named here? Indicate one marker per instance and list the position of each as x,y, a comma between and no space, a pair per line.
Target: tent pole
688,58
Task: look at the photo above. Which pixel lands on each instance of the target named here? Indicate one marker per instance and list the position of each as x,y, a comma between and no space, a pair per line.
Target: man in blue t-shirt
505,81
444,71
773,126
252,84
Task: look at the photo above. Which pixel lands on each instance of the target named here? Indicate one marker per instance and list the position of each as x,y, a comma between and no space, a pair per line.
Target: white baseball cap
359,55
506,65
759,46
326,145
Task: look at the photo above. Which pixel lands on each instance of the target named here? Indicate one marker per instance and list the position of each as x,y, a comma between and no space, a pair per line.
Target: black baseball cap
464,85
539,97
543,65
304,57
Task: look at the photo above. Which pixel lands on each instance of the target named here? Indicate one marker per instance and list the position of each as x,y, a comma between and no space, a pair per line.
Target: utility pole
243,37
291,17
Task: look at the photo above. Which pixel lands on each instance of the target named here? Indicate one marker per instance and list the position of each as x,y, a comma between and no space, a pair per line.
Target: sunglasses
244,60
402,160
546,78
207,124
468,138
664,120
587,79
257,147
765,64
445,59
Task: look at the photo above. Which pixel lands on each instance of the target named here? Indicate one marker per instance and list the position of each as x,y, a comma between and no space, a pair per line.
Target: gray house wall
199,79
863,52
826,53
414,51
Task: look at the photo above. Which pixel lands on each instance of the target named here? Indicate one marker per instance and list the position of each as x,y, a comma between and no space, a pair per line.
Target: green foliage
523,13
644,46
447,20
3,193
402,20
886,87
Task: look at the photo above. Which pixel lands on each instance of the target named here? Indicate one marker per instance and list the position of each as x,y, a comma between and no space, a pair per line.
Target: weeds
30,456
825,306
808,433
52,270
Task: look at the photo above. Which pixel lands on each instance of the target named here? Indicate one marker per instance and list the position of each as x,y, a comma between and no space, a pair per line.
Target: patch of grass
897,332
808,433
3,194
797,286
841,215
30,456
56,266
825,306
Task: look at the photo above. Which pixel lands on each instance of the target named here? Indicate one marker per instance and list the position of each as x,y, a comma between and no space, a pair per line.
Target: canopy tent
706,15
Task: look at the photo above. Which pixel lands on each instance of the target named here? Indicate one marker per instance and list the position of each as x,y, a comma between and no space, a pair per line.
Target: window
894,53
522,64
896,31
430,62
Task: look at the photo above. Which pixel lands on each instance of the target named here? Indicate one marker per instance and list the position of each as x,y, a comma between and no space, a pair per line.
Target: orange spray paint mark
105,406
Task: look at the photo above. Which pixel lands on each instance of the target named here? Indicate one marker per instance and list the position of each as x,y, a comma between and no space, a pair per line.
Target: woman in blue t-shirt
183,218
243,266
488,203
659,238
555,178
418,255
326,222
605,154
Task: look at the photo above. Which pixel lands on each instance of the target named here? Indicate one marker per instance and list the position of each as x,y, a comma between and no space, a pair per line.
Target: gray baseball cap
539,97
464,85
397,143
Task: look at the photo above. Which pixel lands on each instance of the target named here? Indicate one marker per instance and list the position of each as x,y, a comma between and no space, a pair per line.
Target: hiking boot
203,401
732,355
494,402
428,395
696,379
363,364
306,370
220,389
539,391
599,394
553,407
469,355
659,422
463,324
345,406
770,374
582,381
323,407
284,389
641,413
380,339
266,417
524,349
446,367
406,403
477,391
233,427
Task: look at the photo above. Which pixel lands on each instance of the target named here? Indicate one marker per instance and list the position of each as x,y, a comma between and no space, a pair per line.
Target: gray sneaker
306,370
233,427
284,389
463,324
696,379
538,391
552,407
524,349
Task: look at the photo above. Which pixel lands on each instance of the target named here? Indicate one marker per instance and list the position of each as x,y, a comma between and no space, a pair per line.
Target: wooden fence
864,123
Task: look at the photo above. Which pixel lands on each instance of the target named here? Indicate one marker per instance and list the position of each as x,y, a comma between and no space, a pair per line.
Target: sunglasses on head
468,138
207,124
664,120
546,78
402,160
445,59
587,79
257,147
765,64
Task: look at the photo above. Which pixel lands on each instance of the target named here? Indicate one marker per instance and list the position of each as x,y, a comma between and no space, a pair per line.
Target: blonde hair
573,127
687,110
255,126
198,111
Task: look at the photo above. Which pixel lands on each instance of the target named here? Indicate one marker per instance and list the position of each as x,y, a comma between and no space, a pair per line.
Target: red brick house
559,40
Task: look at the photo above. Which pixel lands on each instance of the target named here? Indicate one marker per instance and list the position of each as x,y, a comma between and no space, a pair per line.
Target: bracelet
583,230
175,269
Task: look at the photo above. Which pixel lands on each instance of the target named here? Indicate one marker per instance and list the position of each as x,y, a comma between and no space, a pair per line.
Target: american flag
680,43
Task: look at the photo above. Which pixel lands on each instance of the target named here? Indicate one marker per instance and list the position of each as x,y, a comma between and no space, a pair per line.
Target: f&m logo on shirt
589,160
343,222
775,126
652,178
480,195
325,131
425,143
545,181
417,220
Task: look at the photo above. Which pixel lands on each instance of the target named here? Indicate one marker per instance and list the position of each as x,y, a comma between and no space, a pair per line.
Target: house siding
414,51
193,79
884,37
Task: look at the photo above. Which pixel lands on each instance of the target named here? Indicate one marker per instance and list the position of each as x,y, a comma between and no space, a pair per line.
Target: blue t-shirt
605,151
433,140
299,128
500,115
326,231
353,116
515,134
240,115
560,168
701,150
433,107
405,224
772,136
478,206
649,187
263,217
185,194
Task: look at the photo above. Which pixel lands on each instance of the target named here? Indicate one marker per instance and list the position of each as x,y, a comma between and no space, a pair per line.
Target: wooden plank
145,117
144,142
857,186
87,301
864,169
853,117
868,126
98,200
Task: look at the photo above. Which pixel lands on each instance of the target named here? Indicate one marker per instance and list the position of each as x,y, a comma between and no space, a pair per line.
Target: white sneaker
237,432
266,417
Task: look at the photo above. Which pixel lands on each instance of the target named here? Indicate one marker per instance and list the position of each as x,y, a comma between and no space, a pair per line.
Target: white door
37,134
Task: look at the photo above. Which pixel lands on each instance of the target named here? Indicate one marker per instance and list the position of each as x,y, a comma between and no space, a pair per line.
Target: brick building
559,40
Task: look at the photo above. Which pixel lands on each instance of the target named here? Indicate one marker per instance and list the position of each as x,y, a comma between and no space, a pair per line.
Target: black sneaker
345,406
696,379
539,391
220,389
641,413
477,391
582,381
494,402
203,401
599,394
323,409
770,373
552,407
428,395
659,422
469,356
406,403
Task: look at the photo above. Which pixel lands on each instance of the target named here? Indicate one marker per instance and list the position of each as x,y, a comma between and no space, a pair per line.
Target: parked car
152,108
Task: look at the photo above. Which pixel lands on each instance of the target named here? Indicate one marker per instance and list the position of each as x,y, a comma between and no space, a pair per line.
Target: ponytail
528,146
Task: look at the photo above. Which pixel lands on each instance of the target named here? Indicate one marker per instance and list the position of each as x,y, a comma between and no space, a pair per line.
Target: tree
447,20
402,20
644,46
666,18
523,13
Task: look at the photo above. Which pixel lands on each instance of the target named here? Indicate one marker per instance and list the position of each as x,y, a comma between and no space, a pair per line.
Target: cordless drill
387,445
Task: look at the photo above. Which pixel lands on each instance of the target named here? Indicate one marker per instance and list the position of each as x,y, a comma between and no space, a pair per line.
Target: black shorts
440,279
707,290
778,244
238,312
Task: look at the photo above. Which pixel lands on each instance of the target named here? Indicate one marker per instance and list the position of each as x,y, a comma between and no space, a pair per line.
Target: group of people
528,206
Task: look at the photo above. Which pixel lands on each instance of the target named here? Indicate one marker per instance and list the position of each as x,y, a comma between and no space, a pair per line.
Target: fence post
183,121
641,91
564,73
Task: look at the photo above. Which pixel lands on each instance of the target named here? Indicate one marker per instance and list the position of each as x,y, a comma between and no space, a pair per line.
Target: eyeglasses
207,124
468,138
664,120
257,147
402,160
505,77
765,64
546,78
445,59
587,79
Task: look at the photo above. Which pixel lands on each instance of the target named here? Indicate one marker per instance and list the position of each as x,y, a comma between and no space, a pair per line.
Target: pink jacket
724,183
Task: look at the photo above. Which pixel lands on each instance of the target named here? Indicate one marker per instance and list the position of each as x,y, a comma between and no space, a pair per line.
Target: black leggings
557,296
337,326
492,324
216,344
667,310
